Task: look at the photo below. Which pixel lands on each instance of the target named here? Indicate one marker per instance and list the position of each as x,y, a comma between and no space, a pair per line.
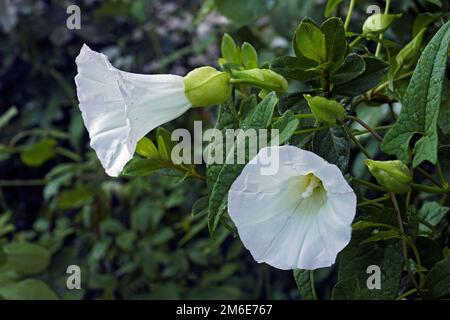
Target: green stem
433,229
368,184
365,203
440,175
429,177
355,42
313,286
406,294
300,116
305,116
256,83
355,141
197,175
428,189
312,130
349,14
39,132
68,154
381,128
404,244
366,126
385,84
386,11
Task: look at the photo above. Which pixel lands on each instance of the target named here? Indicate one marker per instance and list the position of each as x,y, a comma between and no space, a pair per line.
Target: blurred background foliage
134,238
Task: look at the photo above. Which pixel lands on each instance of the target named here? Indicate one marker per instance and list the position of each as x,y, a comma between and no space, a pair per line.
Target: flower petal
280,227
119,108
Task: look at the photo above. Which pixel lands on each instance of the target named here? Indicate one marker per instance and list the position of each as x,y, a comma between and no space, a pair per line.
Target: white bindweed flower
296,218
119,108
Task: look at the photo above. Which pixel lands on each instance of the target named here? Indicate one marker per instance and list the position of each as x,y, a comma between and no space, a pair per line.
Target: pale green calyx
325,110
206,86
379,22
262,78
392,175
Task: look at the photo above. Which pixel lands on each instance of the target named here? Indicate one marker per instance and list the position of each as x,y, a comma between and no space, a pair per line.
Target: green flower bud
392,175
262,78
206,86
379,22
326,111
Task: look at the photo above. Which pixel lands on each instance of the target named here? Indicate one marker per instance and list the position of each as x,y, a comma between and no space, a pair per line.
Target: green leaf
230,51
287,124
353,66
207,7
379,22
295,68
243,12
407,56
421,104
26,258
438,279
310,41
125,240
39,153
6,226
165,143
75,198
336,45
331,6
142,167
305,284
333,145
200,206
430,251
249,56
296,103
7,116
146,148
433,213
382,235
352,275
30,289
375,71
357,257
259,118
423,21
226,119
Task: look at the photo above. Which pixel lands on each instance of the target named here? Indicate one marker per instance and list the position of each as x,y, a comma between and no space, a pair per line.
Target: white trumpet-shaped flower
119,108
297,217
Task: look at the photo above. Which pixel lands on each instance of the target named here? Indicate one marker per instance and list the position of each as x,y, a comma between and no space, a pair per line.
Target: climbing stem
403,241
406,294
351,7
355,141
368,184
381,128
429,176
310,130
366,126
374,201
386,11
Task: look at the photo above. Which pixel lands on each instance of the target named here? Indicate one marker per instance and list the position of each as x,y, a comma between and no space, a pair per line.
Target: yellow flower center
310,185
